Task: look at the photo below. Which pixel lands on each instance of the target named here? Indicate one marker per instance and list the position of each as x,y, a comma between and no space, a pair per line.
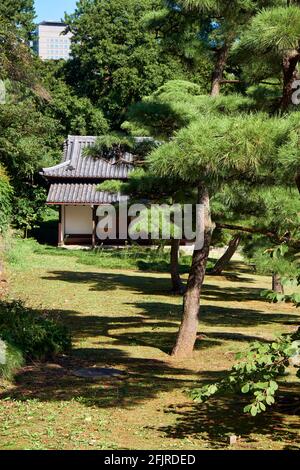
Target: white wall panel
78,220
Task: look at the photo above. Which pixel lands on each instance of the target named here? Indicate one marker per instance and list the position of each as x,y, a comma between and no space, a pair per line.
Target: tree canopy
116,60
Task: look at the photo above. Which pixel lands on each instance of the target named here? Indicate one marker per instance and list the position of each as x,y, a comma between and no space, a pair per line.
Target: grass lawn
127,319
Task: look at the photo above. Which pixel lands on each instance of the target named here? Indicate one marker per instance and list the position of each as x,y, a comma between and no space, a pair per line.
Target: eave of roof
80,194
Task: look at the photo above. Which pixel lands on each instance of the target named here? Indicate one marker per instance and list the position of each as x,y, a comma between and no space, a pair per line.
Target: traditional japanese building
73,188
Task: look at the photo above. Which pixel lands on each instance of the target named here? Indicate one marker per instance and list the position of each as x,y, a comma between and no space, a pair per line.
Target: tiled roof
75,165
76,193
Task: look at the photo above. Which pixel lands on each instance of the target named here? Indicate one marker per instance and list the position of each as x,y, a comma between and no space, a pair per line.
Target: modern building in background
51,42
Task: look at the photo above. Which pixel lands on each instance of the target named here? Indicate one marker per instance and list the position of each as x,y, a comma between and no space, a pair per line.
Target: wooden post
94,235
60,227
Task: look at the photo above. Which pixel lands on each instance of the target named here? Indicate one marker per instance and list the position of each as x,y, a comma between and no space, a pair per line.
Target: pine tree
21,14
273,40
205,155
142,185
207,25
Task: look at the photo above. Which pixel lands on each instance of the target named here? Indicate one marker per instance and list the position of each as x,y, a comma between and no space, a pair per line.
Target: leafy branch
256,374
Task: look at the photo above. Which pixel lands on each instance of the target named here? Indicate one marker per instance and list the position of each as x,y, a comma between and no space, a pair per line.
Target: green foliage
28,139
114,146
261,366
76,115
275,297
208,28
21,14
5,200
116,60
110,145
271,36
222,148
111,186
272,31
14,56
175,105
273,210
29,208
256,374
35,334
11,359
279,259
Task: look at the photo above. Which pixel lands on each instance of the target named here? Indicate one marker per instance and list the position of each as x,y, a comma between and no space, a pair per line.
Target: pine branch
231,81
240,228
274,236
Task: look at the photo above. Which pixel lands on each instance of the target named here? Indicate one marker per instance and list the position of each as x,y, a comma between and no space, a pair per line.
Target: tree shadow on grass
219,418
230,293
143,379
149,327
115,342
211,315
101,282
147,284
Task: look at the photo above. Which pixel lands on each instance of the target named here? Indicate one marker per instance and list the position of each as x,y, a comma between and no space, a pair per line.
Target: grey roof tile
80,193
75,165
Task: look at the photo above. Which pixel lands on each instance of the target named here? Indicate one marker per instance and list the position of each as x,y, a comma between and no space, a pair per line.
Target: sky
53,10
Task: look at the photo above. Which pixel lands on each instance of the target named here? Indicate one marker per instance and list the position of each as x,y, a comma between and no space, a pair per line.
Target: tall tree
273,37
21,14
115,60
215,25
142,185
205,155
76,115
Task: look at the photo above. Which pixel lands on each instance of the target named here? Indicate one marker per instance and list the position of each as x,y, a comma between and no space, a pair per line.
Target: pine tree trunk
276,284
224,260
289,65
218,72
189,325
177,286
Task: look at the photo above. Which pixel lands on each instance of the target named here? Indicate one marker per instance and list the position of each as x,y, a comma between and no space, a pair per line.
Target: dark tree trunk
189,325
224,260
289,65
218,72
177,286
276,284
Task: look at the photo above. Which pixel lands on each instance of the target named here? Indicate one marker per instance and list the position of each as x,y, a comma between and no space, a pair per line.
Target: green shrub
11,359
35,334
5,200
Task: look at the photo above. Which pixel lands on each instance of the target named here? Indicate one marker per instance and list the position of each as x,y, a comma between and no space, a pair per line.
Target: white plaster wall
78,220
